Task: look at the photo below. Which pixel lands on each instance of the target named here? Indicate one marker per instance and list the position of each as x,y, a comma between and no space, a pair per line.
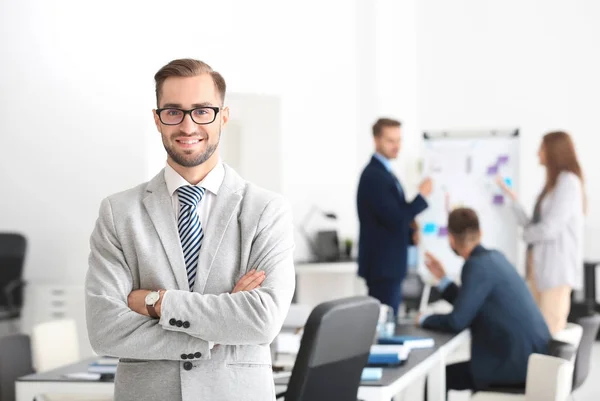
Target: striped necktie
190,228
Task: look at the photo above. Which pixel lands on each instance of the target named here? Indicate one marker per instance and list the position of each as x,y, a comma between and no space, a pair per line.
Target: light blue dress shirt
384,160
388,166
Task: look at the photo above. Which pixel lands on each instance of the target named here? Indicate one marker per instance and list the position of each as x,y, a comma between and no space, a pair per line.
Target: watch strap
151,309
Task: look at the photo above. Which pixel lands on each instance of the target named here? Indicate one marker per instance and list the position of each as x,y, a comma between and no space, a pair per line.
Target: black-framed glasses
200,115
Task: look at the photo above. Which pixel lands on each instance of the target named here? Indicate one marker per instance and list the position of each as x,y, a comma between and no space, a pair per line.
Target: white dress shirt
211,183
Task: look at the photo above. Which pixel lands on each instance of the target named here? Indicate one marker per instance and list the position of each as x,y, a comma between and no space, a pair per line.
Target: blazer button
187,365
172,322
198,354
183,356
186,325
179,323
190,356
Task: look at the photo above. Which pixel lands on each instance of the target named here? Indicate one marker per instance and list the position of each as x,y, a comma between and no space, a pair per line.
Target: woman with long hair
554,235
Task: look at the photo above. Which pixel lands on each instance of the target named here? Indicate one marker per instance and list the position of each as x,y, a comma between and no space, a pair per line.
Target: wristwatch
151,299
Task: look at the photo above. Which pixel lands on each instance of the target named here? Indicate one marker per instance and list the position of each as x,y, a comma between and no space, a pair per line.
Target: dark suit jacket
506,324
384,217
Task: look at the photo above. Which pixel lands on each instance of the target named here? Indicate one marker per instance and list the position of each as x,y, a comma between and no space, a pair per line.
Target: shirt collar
212,182
386,163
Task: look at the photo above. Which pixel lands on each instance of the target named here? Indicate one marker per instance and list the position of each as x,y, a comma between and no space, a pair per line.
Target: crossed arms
251,314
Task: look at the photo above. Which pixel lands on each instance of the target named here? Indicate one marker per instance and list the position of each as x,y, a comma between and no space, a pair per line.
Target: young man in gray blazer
190,274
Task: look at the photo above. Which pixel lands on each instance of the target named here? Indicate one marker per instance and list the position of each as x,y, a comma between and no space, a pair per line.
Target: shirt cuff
423,317
444,283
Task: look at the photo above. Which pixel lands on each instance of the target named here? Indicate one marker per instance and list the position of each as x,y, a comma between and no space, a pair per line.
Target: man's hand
251,280
434,266
416,237
136,301
426,187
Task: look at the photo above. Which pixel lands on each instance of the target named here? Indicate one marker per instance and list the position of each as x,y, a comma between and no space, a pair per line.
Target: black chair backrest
561,349
590,326
15,361
334,350
12,258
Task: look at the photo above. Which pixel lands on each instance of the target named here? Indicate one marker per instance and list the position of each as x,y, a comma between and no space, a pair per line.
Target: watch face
152,298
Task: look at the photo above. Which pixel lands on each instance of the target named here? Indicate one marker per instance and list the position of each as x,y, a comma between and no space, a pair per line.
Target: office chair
548,379
590,326
556,349
12,257
54,344
15,361
334,350
563,350
571,334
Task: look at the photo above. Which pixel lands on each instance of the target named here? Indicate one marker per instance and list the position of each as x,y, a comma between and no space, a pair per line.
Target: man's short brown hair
463,224
187,67
383,123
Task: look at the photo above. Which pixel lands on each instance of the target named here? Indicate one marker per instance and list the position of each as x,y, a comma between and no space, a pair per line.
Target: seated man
494,302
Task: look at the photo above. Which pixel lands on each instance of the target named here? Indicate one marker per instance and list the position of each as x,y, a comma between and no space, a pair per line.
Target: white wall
77,91
395,82
319,109
527,64
257,120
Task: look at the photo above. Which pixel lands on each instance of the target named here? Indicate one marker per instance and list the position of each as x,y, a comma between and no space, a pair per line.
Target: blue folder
371,374
384,360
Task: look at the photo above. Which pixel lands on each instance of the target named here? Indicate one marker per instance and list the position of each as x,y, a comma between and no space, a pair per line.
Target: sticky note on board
498,200
430,228
492,170
443,231
508,182
503,159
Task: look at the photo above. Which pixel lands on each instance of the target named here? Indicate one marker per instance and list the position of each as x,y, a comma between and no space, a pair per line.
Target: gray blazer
558,238
135,244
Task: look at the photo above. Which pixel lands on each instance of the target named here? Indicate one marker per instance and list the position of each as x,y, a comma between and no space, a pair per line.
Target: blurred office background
306,80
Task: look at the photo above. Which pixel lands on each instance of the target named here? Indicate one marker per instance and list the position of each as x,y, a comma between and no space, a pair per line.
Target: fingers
430,258
505,188
246,278
243,281
500,181
259,278
250,280
433,265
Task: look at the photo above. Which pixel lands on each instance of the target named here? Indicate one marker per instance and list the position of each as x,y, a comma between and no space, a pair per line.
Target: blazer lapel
160,208
223,211
378,164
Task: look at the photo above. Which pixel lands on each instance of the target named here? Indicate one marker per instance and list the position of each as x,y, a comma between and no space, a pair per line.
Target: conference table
428,362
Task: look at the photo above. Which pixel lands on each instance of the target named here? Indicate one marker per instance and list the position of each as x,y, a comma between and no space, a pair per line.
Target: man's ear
224,116
156,119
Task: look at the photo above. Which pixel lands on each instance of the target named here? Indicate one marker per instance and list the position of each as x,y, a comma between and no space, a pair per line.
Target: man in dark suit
386,218
494,302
